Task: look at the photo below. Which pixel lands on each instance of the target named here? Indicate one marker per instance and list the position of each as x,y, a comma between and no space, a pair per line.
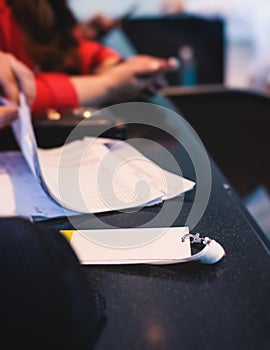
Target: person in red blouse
70,70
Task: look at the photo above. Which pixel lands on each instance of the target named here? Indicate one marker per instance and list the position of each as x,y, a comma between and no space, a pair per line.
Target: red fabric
54,90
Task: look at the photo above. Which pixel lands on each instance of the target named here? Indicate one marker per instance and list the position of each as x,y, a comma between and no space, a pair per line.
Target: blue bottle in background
188,69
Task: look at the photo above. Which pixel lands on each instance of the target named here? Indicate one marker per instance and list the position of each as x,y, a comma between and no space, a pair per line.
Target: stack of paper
86,176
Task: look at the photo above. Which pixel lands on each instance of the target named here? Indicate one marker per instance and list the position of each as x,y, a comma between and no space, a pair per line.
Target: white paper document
21,193
91,175
99,175
141,245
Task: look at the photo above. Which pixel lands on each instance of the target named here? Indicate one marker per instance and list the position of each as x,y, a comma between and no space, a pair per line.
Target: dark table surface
189,306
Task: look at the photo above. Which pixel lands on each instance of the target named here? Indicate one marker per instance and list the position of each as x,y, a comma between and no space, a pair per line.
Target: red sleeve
54,90
92,53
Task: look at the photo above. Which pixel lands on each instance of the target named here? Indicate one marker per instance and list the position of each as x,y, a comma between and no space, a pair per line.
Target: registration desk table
188,306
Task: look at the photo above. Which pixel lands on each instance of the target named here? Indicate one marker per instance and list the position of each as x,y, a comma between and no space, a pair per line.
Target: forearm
91,90
63,91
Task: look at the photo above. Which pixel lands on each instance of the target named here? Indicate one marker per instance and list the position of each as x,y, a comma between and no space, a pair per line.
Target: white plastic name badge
163,245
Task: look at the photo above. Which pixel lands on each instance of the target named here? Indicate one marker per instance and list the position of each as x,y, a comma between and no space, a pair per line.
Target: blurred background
247,24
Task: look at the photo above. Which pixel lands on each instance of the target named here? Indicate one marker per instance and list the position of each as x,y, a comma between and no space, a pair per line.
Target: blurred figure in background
168,7
70,70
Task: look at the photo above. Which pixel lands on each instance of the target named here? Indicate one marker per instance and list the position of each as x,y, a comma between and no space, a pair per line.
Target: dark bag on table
46,301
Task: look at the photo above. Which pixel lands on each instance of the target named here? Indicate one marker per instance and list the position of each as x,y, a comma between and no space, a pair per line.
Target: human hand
98,26
139,77
7,115
16,77
136,78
